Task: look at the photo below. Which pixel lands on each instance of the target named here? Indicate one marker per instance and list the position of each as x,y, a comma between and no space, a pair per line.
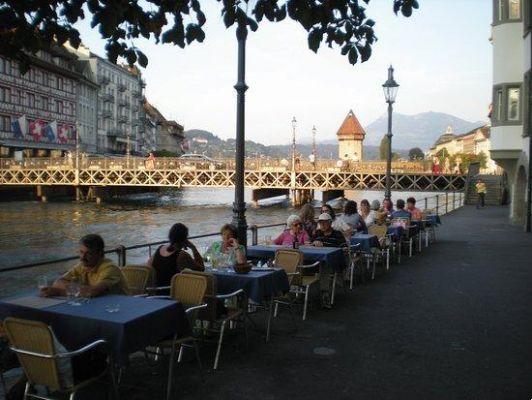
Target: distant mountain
420,130
204,142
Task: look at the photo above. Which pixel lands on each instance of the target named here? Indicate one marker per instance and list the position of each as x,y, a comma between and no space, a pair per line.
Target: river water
32,231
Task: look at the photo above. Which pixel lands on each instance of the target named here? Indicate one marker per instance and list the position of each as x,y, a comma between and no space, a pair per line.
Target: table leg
270,318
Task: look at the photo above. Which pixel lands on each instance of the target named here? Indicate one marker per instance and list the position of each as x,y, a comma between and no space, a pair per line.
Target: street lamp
314,130
390,88
294,125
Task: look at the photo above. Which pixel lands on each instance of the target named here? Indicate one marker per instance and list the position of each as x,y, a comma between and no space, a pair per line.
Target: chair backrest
188,289
288,259
378,230
137,277
209,314
36,337
400,222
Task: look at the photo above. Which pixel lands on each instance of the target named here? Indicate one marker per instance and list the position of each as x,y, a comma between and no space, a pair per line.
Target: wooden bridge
267,179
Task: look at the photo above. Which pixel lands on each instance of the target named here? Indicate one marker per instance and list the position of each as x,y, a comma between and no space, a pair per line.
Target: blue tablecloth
259,286
366,241
396,232
333,256
139,322
433,220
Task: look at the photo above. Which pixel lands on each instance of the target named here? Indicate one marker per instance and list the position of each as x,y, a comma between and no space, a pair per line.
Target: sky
441,56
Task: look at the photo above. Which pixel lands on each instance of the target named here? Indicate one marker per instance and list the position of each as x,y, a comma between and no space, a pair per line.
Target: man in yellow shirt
96,274
481,191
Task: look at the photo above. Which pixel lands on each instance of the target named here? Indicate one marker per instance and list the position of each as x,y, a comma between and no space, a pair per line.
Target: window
5,94
59,83
513,104
20,97
44,103
59,106
5,123
514,9
507,104
31,100
498,102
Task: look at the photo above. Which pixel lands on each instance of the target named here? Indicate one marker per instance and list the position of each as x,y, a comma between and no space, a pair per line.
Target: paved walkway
452,323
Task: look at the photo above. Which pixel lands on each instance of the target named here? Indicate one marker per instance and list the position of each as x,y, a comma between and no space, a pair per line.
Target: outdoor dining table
259,285
134,324
396,232
262,286
366,241
333,256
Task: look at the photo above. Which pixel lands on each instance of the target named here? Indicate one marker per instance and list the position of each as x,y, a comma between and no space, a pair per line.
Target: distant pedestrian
481,192
150,161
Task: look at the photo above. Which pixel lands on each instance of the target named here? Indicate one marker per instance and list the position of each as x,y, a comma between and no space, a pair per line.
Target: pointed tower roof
351,128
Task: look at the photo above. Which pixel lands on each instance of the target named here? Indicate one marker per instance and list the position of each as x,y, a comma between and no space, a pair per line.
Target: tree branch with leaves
32,25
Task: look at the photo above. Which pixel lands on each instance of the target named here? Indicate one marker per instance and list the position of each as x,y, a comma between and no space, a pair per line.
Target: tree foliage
383,148
416,154
36,24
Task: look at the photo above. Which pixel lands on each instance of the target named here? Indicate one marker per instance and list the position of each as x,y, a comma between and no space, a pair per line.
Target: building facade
165,135
474,142
350,139
510,116
120,114
39,109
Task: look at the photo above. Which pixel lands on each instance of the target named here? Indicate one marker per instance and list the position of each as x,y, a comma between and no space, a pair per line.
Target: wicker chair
137,277
385,244
189,290
291,261
236,310
33,342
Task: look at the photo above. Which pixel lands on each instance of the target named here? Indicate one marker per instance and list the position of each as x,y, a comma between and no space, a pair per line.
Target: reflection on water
34,231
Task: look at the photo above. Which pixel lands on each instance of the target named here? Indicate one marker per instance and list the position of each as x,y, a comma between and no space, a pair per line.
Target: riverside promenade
452,323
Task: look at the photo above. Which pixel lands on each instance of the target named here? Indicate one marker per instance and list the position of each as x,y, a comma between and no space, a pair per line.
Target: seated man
96,274
400,212
415,212
327,236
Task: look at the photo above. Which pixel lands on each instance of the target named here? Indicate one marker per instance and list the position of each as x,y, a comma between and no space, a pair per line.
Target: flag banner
19,127
50,131
36,129
62,133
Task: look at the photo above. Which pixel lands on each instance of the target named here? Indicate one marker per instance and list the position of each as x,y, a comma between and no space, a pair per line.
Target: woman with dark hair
307,216
171,259
229,246
352,218
327,209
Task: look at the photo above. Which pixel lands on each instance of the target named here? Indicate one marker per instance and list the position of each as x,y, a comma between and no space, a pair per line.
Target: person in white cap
327,236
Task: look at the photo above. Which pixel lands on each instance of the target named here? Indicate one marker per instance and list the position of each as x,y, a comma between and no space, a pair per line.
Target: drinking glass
73,291
42,282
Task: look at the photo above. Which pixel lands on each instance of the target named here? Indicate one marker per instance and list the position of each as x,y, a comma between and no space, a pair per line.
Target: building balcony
122,87
136,93
124,103
143,83
123,119
108,98
116,132
103,80
107,114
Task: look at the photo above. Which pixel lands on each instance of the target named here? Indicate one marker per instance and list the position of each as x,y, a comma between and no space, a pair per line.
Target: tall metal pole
314,147
388,192
528,221
239,206
294,144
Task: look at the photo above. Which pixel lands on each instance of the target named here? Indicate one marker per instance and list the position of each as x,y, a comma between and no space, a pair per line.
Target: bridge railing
171,163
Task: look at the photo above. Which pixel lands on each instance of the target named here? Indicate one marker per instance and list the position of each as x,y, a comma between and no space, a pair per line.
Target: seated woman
294,230
172,258
367,214
326,208
307,218
229,246
352,218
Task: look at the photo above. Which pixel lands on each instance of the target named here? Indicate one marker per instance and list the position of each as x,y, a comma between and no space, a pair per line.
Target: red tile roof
351,128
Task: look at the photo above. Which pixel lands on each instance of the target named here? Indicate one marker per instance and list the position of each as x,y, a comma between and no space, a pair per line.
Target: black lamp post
239,206
390,88
294,126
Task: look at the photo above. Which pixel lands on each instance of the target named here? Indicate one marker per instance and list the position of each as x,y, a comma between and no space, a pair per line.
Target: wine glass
42,282
268,239
72,291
